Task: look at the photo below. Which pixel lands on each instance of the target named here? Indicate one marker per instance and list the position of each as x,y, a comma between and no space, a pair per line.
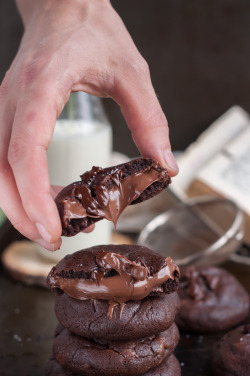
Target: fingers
89,229
32,131
49,246
142,111
10,201
54,190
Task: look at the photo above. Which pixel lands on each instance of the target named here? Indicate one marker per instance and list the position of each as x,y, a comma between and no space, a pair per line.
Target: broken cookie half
105,193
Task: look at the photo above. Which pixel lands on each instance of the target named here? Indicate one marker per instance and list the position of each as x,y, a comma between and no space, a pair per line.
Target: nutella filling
73,209
132,281
108,203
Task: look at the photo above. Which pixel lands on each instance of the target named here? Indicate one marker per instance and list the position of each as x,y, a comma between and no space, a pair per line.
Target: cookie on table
105,193
212,300
80,355
88,318
169,367
231,355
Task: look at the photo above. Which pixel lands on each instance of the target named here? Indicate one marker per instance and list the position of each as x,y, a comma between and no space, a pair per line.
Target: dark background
198,52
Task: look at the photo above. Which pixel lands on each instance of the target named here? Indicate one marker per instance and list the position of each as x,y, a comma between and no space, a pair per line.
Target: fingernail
170,161
43,232
89,229
49,246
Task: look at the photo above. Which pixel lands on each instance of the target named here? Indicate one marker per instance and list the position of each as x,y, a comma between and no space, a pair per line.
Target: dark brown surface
28,323
198,52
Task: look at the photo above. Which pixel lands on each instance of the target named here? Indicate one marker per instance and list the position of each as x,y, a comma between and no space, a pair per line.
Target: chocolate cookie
211,300
89,318
115,273
79,355
231,356
55,369
169,367
105,193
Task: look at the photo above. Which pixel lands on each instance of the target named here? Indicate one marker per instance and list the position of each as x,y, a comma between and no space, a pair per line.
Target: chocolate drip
112,305
126,268
122,305
102,202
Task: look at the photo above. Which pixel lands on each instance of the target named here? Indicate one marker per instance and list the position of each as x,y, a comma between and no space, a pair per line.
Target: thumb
145,118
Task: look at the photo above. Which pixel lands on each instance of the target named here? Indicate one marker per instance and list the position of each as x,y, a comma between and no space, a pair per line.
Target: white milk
76,146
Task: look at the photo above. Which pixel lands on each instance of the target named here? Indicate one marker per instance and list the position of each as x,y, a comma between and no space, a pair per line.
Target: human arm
77,45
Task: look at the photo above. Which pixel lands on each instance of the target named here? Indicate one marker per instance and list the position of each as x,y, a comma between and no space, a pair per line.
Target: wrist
27,8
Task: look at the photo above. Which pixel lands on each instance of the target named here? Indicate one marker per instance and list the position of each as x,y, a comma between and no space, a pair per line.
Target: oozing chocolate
108,203
117,278
126,268
105,193
134,284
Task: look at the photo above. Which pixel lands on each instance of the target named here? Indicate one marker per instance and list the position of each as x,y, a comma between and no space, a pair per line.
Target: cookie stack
116,306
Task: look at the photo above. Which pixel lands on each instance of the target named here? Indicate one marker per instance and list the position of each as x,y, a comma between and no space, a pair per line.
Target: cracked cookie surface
138,319
79,355
169,367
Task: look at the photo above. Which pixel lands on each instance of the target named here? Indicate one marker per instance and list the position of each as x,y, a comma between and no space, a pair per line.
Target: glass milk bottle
82,139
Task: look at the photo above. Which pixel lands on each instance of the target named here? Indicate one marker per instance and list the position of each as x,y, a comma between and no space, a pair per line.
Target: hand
80,45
